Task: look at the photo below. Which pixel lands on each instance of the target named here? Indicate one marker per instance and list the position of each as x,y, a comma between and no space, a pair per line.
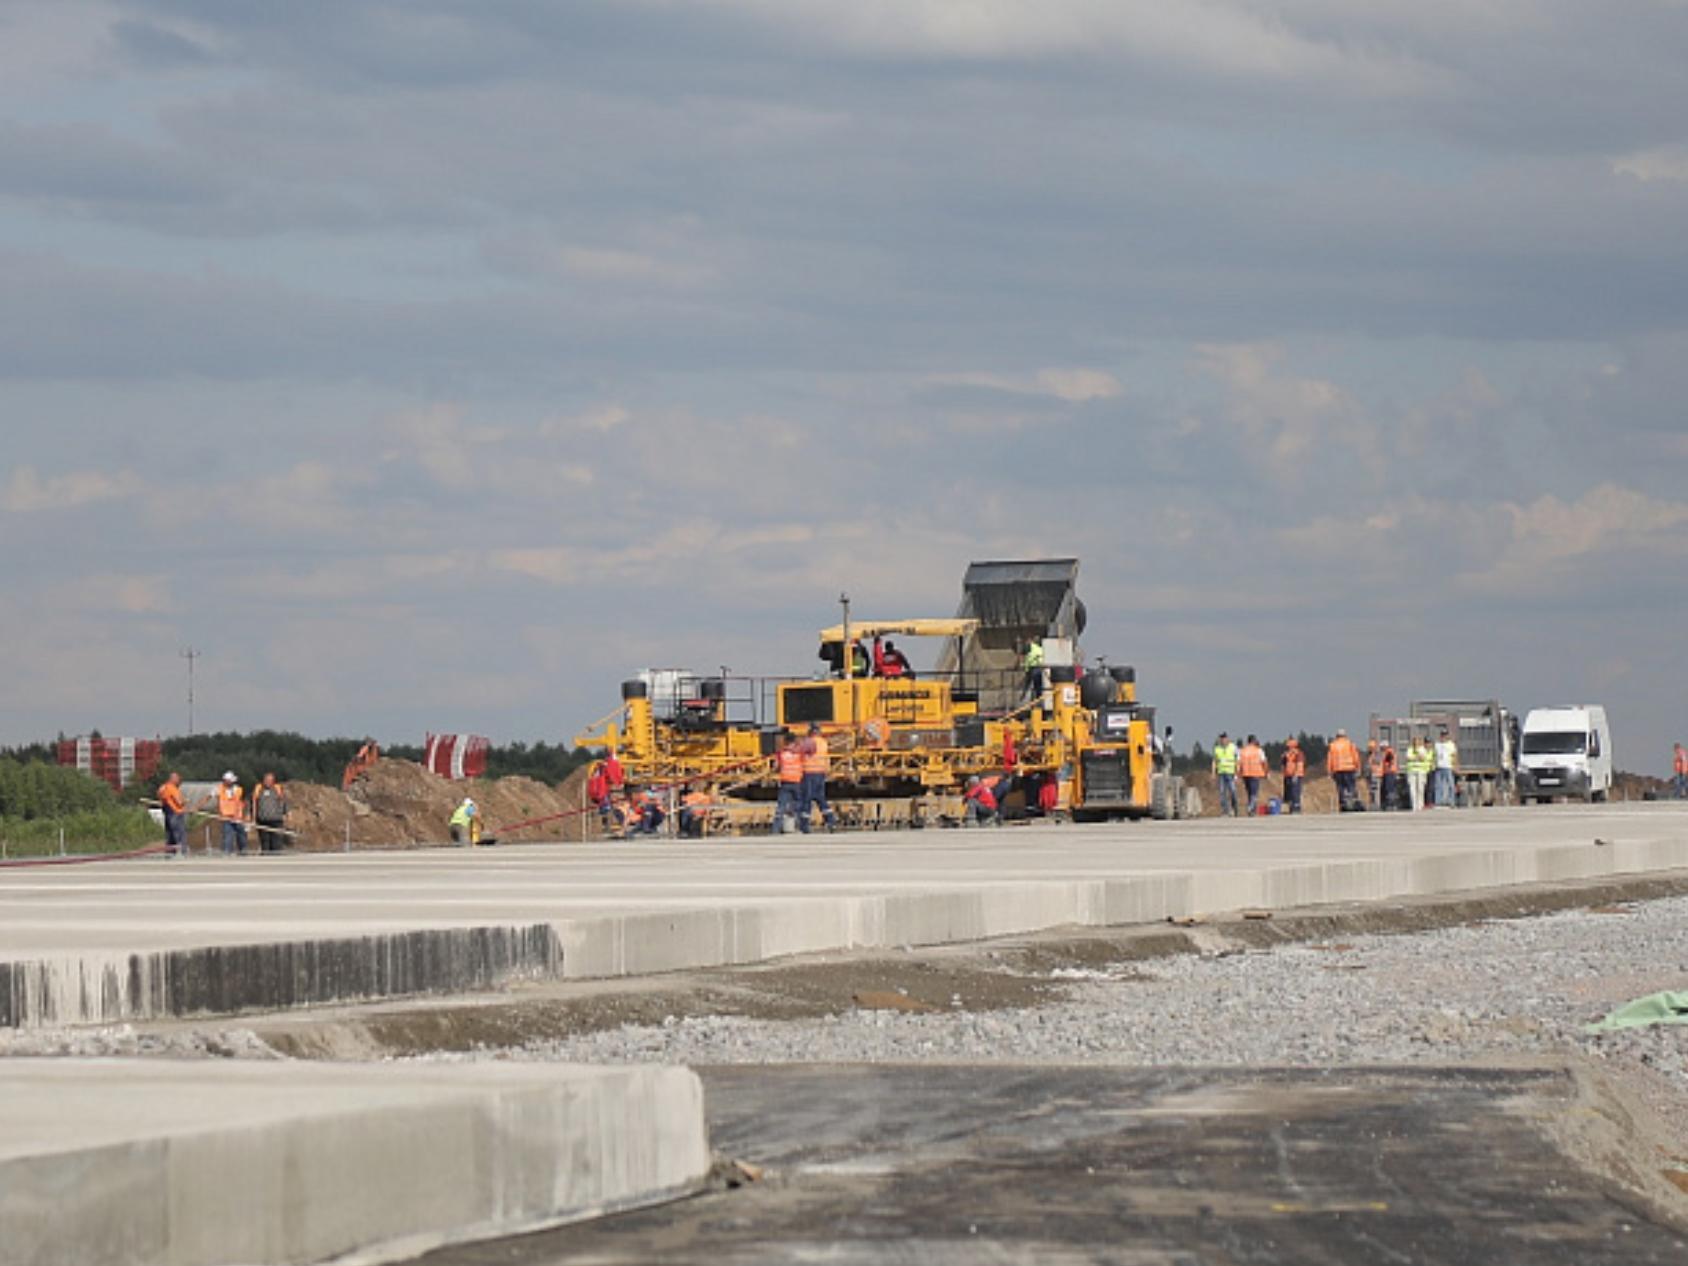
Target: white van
1567,752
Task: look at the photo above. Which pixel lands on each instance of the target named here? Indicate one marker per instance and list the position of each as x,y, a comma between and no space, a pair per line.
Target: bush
104,831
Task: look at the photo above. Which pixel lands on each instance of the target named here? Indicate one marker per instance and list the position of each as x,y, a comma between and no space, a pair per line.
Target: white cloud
1667,164
27,492
1072,385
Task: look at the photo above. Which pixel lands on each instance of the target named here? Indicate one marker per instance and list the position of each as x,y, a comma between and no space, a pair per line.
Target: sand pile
398,803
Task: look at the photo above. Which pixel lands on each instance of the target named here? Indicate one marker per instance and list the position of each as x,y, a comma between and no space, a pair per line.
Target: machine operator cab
870,684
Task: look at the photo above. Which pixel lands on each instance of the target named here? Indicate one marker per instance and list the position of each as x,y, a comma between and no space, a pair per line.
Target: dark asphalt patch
1043,1165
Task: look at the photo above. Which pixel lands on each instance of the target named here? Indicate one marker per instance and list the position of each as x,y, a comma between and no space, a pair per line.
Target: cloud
1074,386
1666,163
27,492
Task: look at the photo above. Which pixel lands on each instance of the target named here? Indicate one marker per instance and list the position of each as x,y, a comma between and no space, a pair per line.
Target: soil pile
398,803
1318,792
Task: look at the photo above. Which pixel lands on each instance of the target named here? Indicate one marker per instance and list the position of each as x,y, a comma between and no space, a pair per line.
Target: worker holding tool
466,823
231,809
1420,761
1251,764
817,764
175,816
269,812
789,762
1342,760
1225,772
1295,773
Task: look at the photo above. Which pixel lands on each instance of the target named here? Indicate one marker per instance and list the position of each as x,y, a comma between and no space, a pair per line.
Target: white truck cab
1565,752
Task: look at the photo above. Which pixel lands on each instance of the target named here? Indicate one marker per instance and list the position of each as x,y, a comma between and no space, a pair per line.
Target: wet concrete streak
1172,1166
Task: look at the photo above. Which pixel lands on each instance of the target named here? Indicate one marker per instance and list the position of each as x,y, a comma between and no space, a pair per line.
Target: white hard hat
229,777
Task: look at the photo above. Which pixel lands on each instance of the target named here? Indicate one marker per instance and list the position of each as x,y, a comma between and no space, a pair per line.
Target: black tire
1600,797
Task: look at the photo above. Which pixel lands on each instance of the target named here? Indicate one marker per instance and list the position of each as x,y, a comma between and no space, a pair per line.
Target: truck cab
1565,752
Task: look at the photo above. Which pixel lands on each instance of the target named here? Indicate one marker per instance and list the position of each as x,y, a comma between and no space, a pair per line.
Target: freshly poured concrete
216,1162
213,936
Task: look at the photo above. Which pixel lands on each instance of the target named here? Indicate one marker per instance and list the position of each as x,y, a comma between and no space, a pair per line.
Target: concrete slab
135,940
155,1163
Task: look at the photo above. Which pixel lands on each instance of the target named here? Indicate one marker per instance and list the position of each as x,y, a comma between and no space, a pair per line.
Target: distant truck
1566,753
1486,732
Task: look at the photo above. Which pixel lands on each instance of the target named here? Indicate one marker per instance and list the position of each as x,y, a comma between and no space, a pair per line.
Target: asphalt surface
1060,1165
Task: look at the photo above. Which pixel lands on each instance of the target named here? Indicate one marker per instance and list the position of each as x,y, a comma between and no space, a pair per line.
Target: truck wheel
1600,797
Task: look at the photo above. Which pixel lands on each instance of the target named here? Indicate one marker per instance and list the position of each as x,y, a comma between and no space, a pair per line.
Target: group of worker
1429,768
803,765
265,809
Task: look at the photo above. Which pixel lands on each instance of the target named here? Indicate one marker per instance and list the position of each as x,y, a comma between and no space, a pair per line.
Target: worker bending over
979,804
466,824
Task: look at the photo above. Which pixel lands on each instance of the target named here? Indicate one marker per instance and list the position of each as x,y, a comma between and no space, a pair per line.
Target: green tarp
1655,1008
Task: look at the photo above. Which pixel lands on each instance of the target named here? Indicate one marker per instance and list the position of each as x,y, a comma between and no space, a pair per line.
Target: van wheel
1600,797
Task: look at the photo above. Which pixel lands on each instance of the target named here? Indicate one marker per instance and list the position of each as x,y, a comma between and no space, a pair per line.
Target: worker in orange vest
694,813
1374,774
817,764
1680,765
788,763
1343,762
231,808
1389,765
1295,770
1251,765
175,807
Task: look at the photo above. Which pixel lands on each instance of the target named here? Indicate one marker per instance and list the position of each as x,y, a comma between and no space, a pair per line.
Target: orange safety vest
818,759
1389,763
1295,763
1344,757
1252,763
231,803
1682,760
170,797
791,764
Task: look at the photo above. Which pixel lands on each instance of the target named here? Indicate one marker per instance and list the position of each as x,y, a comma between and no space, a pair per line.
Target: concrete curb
78,987
208,1164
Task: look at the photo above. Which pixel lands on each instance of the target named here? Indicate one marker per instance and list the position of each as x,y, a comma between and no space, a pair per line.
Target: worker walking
231,809
465,824
789,763
817,764
269,812
1295,772
1679,765
1420,761
1447,763
1225,773
1251,764
1342,760
176,815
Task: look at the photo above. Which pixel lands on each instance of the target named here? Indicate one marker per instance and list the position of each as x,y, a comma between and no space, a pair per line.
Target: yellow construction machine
1056,739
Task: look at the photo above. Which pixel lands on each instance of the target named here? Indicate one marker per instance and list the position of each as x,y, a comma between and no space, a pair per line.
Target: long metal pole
190,654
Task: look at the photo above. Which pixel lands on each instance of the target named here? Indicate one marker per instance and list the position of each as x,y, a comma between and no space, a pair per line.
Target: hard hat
1341,733
229,777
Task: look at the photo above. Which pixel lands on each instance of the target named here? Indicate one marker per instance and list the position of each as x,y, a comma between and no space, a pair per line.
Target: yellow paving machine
1052,739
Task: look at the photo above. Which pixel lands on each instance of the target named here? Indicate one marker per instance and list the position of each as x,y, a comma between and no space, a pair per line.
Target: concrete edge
227,981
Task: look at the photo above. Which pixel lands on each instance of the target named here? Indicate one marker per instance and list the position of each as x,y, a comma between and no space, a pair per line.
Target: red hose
81,859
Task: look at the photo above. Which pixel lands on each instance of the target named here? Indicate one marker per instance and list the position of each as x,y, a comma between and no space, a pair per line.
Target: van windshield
1555,743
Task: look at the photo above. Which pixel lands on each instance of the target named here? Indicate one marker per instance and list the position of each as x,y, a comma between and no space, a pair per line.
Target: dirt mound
399,803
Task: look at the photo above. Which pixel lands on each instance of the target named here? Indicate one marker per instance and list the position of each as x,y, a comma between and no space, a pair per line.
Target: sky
437,364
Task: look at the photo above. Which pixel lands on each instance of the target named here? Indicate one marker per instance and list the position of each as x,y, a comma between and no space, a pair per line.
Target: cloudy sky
439,363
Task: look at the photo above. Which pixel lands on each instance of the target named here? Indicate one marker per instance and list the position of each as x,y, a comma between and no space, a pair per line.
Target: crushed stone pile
398,803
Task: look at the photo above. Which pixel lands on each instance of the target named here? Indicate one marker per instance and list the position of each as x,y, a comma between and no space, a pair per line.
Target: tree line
1201,758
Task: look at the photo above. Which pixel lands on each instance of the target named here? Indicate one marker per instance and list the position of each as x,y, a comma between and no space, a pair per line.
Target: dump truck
904,746
1485,731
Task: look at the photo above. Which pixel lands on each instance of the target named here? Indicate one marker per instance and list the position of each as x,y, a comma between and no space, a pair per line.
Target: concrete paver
213,1162
212,936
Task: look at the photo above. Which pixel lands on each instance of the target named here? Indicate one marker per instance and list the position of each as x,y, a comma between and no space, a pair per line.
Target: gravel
1514,988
